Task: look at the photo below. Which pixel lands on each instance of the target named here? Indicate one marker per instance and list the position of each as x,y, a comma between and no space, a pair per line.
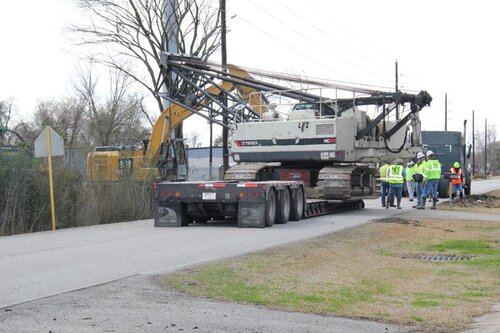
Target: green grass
424,303
367,272
472,247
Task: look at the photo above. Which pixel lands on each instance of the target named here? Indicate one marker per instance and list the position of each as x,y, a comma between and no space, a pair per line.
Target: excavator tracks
346,182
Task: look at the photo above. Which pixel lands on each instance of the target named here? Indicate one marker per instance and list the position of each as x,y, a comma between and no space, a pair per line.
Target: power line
309,22
368,43
290,47
314,42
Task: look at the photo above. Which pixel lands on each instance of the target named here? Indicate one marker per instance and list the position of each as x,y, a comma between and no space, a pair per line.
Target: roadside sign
56,144
49,144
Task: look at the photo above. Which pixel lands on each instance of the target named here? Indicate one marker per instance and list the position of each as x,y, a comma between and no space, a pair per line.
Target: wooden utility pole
397,105
485,146
210,152
473,147
446,112
225,132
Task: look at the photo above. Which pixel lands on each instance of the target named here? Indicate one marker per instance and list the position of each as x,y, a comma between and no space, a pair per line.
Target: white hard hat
420,155
429,153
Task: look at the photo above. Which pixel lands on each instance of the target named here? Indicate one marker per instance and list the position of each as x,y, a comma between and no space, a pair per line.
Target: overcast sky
441,46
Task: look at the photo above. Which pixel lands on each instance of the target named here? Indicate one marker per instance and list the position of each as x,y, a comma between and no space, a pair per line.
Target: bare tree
137,30
66,116
486,143
115,118
5,117
193,140
218,141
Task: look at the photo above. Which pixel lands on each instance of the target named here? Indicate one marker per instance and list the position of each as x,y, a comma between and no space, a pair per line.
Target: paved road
49,263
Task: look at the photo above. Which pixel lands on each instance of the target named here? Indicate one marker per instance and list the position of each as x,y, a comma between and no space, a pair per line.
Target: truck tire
467,189
271,208
443,190
297,208
283,207
184,217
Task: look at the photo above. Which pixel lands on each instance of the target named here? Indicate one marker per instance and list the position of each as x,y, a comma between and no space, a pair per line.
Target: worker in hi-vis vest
396,175
418,177
432,174
384,182
411,185
456,184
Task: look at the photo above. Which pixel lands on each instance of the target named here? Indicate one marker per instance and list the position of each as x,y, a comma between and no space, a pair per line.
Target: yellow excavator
155,159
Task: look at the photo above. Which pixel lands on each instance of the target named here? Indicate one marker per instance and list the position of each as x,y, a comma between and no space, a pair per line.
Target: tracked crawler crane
321,146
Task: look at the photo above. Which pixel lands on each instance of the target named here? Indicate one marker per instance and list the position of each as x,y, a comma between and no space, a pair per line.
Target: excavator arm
176,113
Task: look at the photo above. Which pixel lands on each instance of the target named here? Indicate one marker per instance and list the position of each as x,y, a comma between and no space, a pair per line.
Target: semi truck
449,147
314,158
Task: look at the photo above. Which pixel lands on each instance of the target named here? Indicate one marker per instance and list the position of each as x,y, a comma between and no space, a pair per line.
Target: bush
25,207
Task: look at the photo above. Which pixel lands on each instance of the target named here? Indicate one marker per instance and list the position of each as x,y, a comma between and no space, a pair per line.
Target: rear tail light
217,185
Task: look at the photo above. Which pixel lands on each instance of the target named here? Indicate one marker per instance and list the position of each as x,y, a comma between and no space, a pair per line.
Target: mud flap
251,215
171,216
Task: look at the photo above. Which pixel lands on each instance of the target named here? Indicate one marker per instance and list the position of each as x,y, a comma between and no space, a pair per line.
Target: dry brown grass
367,272
485,203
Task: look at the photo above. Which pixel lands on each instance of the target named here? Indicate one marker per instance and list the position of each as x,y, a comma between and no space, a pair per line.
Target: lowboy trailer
255,204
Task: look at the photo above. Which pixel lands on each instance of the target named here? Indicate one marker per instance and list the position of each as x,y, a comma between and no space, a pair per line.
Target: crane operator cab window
304,111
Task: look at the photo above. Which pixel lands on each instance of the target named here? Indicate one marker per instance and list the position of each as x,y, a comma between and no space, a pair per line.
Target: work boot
387,205
399,203
461,195
434,200
422,204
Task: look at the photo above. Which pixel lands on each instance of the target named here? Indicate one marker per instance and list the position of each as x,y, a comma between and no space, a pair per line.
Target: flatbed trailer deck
256,204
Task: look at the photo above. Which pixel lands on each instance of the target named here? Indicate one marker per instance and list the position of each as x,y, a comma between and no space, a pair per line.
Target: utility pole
485,145
446,112
473,147
397,105
225,132
210,151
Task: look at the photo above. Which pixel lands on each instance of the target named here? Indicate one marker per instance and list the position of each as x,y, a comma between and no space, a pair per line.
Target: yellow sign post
49,144
51,185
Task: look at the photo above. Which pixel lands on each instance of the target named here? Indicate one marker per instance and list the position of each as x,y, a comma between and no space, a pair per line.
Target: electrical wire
318,44
290,47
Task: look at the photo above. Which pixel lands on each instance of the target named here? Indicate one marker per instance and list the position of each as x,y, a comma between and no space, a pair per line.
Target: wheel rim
300,201
286,204
272,206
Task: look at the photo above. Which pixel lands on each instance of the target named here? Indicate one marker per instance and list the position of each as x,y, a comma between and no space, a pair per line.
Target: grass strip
369,272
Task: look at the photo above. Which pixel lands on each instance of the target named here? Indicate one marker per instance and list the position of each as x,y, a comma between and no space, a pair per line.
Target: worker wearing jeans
384,183
396,175
418,177
411,185
432,174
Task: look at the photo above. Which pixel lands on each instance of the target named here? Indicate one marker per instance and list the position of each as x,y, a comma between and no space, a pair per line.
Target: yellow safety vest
396,174
383,172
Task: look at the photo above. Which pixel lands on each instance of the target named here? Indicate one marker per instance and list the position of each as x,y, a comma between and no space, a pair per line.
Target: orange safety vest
459,179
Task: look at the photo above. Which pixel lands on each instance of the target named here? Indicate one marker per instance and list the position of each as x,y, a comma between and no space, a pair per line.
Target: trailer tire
271,208
298,201
467,189
185,219
284,204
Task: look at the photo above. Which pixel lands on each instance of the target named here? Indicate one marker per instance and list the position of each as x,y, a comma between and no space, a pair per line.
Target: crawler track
323,207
